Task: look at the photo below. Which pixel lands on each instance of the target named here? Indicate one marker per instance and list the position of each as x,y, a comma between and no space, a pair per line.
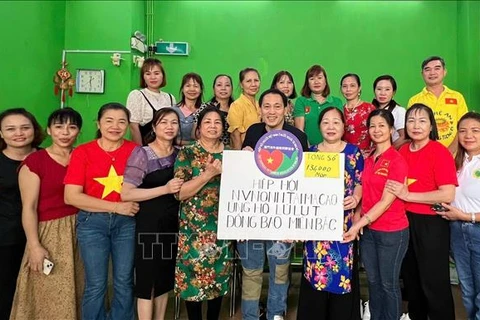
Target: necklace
356,105
111,154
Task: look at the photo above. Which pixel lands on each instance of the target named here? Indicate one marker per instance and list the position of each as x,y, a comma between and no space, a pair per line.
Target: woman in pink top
383,220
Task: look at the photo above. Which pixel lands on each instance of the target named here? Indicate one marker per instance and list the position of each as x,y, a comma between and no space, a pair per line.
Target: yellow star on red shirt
112,182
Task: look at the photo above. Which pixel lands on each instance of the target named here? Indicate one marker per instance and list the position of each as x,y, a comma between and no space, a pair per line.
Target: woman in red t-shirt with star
431,179
385,225
105,223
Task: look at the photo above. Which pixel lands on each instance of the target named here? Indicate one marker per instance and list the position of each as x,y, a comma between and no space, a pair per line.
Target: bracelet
474,218
368,219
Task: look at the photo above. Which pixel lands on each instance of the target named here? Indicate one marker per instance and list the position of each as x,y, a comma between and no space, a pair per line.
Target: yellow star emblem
112,182
270,160
410,181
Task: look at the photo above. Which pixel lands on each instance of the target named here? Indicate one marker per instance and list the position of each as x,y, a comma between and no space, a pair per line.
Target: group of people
149,207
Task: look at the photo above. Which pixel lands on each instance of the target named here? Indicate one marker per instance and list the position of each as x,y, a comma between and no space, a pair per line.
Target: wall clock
90,81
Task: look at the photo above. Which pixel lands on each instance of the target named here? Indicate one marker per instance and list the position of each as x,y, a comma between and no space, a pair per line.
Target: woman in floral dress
329,287
203,263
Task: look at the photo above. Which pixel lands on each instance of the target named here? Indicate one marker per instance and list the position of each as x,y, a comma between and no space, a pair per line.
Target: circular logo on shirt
278,154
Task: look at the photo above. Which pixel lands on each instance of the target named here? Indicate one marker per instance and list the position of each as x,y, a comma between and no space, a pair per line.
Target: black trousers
11,257
194,309
425,270
320,305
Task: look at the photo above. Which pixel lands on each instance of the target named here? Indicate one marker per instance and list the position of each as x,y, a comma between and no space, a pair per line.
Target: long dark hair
157,117
198,79
110,106
419,107
392,103
460,156
214,99
38,134
278,76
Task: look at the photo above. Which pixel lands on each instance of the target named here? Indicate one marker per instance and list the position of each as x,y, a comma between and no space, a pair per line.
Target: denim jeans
101,235
465,246
382,255
252,255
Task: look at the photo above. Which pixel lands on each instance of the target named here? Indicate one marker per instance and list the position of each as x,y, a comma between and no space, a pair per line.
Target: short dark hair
353,75
110,106
214,99
392,103
433,58
157,117
148,64
313,71
38,134
198,79
65,115
385,114
206,111
242,73
329,108
416,107
273,91
278,76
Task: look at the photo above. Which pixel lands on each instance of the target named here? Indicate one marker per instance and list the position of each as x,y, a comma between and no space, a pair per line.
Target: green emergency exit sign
172,48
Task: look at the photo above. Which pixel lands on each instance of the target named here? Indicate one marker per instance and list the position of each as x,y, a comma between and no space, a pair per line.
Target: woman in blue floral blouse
329,288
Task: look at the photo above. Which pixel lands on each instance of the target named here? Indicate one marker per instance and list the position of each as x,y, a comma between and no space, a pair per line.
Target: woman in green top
203,263
315,97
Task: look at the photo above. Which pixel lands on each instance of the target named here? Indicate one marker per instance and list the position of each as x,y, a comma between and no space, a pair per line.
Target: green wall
365,37
102,25
30,54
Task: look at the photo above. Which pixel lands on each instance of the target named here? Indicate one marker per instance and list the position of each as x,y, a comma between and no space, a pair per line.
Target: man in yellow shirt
448,105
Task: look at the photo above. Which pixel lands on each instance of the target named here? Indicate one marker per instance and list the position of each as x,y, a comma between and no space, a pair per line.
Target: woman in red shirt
383,220
49,225
105,223
356,113
431,179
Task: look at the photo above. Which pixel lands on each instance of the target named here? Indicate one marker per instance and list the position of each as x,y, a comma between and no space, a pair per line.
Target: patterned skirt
58,295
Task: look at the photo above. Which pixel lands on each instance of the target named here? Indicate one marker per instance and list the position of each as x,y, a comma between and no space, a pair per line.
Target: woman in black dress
148,179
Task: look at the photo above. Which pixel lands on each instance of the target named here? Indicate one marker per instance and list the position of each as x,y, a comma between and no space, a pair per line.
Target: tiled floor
293,299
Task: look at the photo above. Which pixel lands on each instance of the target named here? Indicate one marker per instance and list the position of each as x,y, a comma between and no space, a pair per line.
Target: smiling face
418,126
332,126
192,89
273,111
469,135
250,83
222,88
317,83
153,77
63,135
350,88
113,124
379,130
17,131
211,126
167,127
384,92
433,73
285,85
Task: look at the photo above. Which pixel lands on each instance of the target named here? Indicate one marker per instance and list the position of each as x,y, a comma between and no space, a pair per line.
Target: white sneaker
405,317
366,311
361,308
277,317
